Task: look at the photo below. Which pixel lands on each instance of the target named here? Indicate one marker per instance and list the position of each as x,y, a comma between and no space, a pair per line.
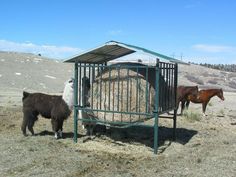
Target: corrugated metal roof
112,50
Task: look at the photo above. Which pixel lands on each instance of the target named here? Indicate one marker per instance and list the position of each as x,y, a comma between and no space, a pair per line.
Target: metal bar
137,96
165,83
100,103
113,100
83,87
127,99
161,85
89,72
171,86
107,111
97,86
109,92
76,102
80,72
139,100
175,110
105,92
156,109
168,85
116,123
130,103
146,92
93,75
118,92
122,95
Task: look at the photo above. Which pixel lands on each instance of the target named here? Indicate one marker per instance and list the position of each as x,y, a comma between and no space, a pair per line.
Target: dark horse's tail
25,95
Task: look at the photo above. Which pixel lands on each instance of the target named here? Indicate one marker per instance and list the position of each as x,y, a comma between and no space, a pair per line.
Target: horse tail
25,95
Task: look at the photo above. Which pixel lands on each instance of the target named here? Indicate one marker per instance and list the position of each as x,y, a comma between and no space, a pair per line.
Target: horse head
220,94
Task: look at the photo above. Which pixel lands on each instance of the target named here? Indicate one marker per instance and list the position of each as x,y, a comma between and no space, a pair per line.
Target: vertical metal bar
93,75
101,86
113,100
118,92
80,72
130,101
161,86
127,94
76,102
89,72
97,82
172,87
109,91
175,110
168,86
105,92
137,96
98,69
85,65
121,97
83,86
146,92
156,113
164,98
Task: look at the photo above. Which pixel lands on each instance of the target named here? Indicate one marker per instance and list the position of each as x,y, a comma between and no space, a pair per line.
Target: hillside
24,71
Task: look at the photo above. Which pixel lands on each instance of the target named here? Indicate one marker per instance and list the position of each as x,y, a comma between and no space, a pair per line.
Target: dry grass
191,116
195,79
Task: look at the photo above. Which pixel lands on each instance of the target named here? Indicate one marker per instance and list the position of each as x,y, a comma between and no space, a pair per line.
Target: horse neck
213,93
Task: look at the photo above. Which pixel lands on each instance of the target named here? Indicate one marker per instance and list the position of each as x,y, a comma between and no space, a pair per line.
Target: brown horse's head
220,94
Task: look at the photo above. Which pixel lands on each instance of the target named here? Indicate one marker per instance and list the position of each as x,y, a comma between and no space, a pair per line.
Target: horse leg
187,104
182,107
204,104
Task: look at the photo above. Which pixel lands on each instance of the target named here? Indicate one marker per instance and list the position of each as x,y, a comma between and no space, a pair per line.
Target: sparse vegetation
210,104
191,116
232,84
195,79
221,113
212,81
224,67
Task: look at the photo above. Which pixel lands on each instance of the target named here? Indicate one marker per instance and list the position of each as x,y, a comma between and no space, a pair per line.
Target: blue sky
196,30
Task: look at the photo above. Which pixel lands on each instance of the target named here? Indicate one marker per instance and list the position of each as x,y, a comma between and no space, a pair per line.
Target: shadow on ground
138,134
65,134
145,135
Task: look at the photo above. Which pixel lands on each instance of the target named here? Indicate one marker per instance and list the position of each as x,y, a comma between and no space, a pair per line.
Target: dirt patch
203,147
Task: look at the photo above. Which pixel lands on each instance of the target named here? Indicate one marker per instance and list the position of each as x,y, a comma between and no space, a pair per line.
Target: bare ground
205,146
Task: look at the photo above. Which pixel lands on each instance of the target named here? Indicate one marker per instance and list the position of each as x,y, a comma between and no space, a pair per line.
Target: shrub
212,81
232,84
191,116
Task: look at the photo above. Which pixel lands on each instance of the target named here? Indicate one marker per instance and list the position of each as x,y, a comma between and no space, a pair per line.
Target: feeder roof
112,50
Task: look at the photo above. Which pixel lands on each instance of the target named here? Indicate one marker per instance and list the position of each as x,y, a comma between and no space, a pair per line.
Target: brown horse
204,97
182,95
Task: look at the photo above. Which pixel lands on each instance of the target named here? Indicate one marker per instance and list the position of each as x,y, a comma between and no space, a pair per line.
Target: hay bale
122,90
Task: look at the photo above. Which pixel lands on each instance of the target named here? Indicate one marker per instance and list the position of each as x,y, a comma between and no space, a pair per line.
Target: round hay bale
122,91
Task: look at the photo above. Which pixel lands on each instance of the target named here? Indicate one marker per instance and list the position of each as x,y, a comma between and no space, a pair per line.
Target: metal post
76,103
175,110
156,108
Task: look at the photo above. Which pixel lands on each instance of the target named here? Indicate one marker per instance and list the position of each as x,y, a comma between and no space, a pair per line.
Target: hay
123,91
